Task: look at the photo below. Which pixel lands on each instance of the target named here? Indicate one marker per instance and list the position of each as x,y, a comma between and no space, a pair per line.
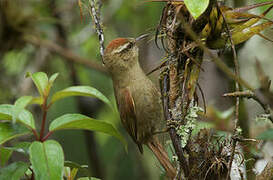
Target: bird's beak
141,37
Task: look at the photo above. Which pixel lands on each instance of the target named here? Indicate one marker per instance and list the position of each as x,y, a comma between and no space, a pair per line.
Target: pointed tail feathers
162,157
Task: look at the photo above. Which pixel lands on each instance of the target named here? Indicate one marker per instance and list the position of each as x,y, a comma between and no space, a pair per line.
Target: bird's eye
130,45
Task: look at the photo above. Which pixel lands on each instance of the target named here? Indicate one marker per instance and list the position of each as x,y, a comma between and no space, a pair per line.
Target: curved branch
64,52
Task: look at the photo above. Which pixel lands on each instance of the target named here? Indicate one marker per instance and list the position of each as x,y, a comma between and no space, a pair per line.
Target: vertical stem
237,88
35,134
44,108
174,137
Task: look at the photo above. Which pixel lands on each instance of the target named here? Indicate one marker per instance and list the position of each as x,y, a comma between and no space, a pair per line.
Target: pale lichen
263,118
184,131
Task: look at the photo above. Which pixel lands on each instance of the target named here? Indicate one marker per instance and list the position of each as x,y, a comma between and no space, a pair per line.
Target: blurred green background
60,22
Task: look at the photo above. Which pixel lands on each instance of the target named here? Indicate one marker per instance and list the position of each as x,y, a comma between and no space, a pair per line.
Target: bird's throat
125,78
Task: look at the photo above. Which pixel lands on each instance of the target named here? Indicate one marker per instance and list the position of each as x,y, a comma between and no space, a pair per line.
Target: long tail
162,157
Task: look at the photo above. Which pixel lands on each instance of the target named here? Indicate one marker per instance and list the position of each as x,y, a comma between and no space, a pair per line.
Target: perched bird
138,99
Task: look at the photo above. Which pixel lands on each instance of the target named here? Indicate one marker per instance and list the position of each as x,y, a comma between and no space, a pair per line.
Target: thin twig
253,95
95,14
64,52
35,134
237,88
241,94
174,137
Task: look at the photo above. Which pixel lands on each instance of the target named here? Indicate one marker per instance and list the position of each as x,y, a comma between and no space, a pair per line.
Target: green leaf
82,168
25,117
53,78
27,100
13,171
23,101
37,100
72,164
70,174
19,106
266,135
196,7
5,154
79,121
88,178
47,160
22,147
9,131
80,91
40,80
51,81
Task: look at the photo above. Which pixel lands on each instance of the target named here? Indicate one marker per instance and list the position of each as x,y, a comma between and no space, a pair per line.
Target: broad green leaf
5,154
80,91
19,106
25,117
23,101
9,131
6,111
13,171
26,100
266,135
47,160
79,121
40,80
196,7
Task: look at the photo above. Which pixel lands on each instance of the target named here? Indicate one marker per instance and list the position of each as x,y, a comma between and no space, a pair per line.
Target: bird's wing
127,110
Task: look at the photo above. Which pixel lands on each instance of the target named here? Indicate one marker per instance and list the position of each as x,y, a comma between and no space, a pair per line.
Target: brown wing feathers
128,116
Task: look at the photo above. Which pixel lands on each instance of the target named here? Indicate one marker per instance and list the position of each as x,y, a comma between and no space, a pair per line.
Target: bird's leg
170,124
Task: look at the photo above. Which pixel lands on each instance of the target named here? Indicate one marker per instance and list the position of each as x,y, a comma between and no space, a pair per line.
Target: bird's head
121,54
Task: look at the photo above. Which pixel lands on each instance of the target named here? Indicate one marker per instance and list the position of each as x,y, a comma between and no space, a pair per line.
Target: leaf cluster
46,157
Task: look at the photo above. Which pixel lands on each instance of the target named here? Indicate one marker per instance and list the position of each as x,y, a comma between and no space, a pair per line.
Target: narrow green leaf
25,117
22,147
80,91
13,171
67,172
9,131
51,81
82,168
37,100
5,154
72,164
40,80
53,77
196,7
79,121
47,160
266,135
74,173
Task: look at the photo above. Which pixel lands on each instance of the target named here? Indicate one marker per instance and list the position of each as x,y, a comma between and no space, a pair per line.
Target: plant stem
47,136
44,108
35,134
237,102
